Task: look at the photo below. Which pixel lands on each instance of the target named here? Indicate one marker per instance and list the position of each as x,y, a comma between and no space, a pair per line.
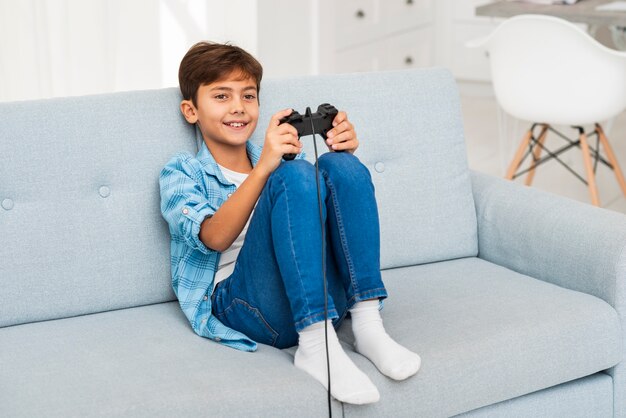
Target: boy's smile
226,112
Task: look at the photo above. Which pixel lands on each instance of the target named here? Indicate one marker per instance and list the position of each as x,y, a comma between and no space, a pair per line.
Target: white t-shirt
229,257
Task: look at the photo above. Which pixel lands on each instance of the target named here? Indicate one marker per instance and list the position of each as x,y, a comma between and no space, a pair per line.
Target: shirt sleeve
184,202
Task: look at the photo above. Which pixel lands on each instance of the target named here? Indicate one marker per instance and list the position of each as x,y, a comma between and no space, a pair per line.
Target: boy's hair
207,62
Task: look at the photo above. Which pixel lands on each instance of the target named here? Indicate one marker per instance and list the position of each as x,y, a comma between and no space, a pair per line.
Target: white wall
183,23
289,36
73,47
52,48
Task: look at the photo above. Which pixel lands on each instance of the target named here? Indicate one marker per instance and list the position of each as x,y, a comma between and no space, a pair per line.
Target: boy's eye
250,97
220,96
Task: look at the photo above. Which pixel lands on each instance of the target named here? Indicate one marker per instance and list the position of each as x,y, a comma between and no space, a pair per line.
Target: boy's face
226,111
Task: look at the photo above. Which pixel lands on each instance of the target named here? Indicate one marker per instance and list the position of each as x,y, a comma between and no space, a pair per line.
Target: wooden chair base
534,146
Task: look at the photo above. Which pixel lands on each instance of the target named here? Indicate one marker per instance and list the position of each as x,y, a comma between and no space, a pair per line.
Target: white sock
347,383
371,340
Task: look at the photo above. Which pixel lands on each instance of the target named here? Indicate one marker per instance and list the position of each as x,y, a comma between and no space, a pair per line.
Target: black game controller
319,122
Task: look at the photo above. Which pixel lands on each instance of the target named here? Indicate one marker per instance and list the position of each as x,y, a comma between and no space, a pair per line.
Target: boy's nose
237,106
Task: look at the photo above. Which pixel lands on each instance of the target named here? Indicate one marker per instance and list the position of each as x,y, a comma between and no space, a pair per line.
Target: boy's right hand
280,139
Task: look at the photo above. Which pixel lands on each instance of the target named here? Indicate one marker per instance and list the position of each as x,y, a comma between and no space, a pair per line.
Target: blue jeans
277,288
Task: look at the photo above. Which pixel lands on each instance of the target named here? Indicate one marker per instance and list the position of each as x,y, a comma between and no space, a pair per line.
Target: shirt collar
210,165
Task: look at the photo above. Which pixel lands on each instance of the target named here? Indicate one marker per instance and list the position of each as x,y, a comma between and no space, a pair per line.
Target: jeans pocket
243,317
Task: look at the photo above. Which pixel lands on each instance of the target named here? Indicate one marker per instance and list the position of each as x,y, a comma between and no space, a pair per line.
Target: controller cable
322,225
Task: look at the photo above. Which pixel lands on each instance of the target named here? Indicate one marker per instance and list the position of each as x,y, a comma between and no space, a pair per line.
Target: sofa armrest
558,240
552,238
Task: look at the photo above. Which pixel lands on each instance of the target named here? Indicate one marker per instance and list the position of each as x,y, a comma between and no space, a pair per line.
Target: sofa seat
145,362
587,397
485,334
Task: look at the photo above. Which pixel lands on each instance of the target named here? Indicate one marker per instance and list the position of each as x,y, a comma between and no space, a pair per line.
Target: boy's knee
294,170
298,175
342,163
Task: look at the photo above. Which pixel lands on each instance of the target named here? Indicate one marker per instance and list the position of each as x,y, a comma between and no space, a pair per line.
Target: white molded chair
549,71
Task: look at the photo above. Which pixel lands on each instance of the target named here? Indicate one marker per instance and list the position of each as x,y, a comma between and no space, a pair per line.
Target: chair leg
612,159
537,154
591,178
517,159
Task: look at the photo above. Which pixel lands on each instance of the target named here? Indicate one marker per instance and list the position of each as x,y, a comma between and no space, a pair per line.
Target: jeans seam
344,245
293,250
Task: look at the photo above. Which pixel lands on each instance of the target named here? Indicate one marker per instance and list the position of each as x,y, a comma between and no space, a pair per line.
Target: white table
583,11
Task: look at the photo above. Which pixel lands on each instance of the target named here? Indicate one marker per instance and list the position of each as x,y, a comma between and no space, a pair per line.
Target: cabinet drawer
401,15
357,22
359,59
409,50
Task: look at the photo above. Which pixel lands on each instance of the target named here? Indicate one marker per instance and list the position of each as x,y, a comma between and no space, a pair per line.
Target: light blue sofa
514,298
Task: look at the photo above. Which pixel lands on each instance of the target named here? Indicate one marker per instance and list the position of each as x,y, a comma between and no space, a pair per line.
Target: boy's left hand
342,137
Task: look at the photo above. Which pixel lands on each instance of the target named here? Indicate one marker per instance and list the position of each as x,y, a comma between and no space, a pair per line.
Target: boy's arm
184,204
222,229
219,231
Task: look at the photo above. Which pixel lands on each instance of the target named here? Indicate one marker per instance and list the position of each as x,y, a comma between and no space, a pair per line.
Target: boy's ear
189,111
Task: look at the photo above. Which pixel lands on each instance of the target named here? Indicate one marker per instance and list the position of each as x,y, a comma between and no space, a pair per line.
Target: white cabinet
342,36
464,25
357,22
407,50
367,57
371,35
406,14
469,63
410,49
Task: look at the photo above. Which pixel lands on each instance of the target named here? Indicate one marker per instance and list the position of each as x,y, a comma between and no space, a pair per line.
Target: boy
246,238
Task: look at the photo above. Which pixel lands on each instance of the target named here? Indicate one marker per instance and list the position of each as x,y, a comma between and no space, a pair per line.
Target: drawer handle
408,60
360,14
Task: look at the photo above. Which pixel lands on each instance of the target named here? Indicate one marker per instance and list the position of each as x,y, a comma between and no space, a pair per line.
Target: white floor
488,153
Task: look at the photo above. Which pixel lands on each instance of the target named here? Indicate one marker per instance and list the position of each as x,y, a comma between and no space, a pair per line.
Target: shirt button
206,297
185,211
218,339
229,194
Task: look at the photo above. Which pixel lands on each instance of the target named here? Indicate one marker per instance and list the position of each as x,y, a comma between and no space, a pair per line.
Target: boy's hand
280,139
342,137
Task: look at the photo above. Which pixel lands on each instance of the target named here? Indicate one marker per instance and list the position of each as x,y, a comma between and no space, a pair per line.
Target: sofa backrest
410,130
80,226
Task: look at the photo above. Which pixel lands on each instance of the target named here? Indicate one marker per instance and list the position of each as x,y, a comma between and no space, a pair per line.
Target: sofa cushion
145,362
590,396
410,129
81,226
485,334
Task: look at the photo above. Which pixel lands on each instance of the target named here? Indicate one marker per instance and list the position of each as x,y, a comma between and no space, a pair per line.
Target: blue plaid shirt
193,188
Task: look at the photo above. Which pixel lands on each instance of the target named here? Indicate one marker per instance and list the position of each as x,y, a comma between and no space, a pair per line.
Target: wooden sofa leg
537,154
591,178
517,159
612,159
